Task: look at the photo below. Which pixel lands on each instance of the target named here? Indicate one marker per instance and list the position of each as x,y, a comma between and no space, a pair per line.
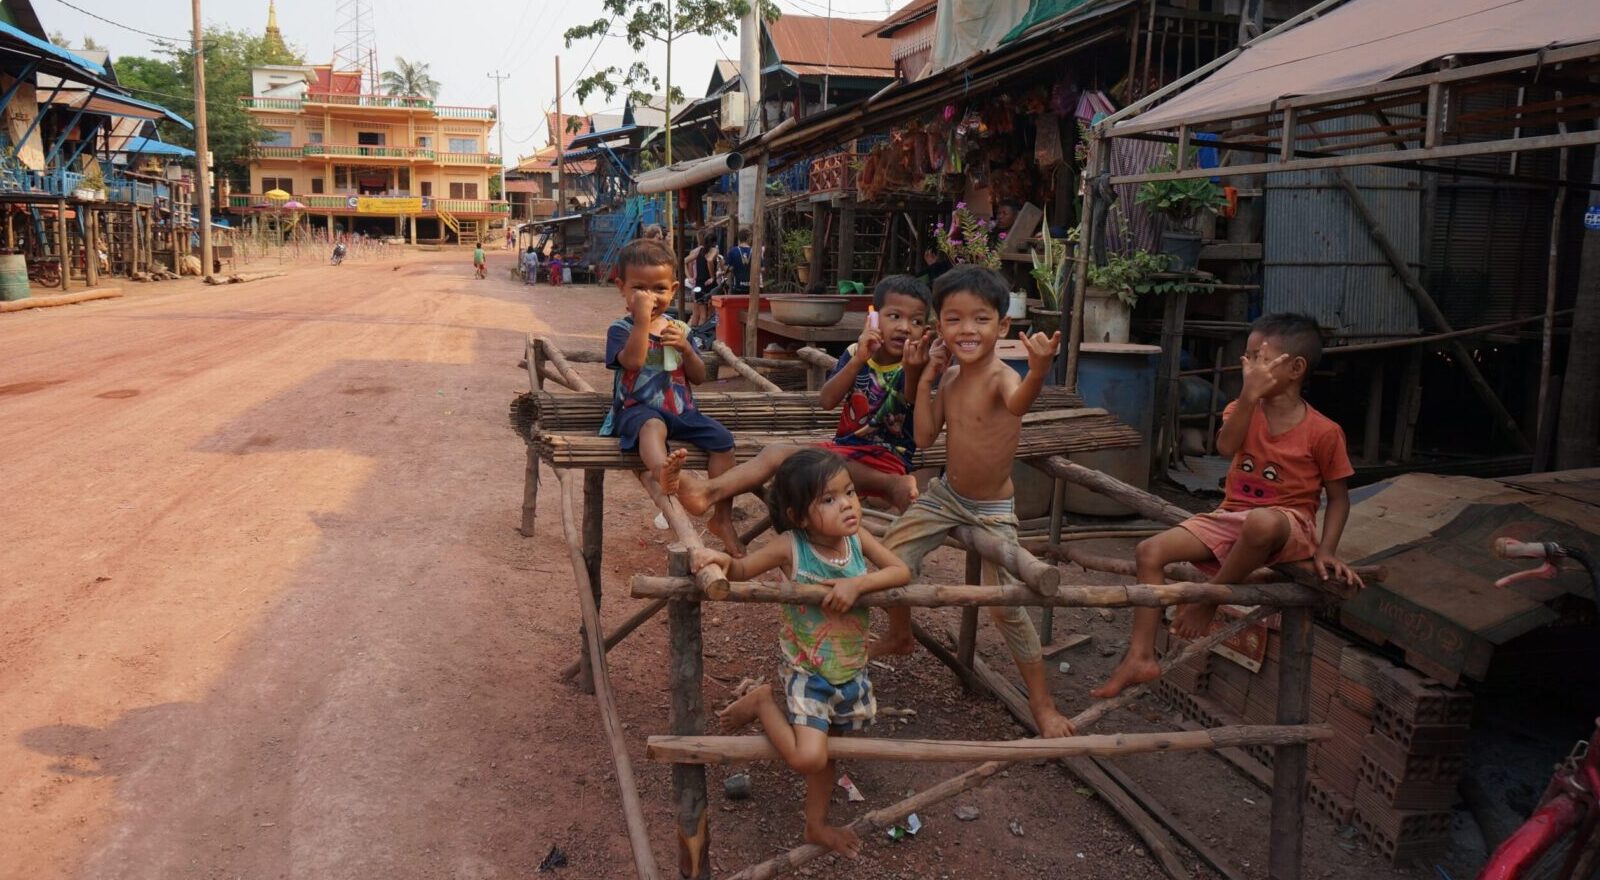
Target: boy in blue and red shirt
654,364
868,384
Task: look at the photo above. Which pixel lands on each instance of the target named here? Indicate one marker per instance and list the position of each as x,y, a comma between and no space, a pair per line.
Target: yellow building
376,164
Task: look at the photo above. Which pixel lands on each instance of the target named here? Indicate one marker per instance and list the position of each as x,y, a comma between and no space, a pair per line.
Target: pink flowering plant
969,239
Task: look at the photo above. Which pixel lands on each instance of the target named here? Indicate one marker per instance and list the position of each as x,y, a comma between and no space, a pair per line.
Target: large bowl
808,311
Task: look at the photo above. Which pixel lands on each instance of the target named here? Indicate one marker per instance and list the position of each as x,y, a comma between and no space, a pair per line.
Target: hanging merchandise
1047,140
1093,105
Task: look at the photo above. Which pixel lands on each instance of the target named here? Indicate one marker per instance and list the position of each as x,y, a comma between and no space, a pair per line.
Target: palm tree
409,78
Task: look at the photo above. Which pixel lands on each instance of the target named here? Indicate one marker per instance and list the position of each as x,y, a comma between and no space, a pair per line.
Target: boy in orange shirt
1285,454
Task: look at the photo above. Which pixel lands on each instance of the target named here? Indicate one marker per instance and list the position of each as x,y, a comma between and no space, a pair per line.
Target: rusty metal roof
912,12
837,43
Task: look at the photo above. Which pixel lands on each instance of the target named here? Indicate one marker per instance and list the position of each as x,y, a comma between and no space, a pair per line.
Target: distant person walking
480,266
530,266
556,267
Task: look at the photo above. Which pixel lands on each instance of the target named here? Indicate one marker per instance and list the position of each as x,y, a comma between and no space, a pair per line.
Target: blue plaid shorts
822,705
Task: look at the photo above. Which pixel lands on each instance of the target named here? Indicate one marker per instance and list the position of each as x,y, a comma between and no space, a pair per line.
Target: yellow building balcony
408,103
377,205
377,154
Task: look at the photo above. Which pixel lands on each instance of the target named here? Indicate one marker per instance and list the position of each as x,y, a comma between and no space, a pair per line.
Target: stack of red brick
1399,739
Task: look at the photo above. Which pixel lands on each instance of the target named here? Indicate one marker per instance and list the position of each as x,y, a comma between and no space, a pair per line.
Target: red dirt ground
264,614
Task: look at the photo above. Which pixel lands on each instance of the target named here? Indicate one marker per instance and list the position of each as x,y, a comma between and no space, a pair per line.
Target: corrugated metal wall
1319,258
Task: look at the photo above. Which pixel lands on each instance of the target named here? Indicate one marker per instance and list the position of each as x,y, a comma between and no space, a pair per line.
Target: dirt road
264,614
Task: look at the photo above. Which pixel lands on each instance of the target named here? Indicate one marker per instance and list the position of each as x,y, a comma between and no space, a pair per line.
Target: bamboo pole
563,367
744,749
623,631
594,507
533,357
1278,595
816,357
743,369
685,674
712,581
1186,572
1042,578
632,813
1291,762
883,818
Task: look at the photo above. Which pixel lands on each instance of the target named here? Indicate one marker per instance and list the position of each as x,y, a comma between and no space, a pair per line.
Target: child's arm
1041,355
1333,521
915,360
930,407
1260,380
773,554
675,336
633,354
892,572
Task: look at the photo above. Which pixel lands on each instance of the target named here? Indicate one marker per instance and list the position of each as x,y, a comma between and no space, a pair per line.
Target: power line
121,25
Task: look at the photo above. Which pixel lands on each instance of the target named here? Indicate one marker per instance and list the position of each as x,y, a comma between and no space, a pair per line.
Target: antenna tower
355,41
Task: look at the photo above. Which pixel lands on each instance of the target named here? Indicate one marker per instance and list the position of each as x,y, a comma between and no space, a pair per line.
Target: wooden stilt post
91,246
534,353
1371,448
758,234
1058,503
967,644
688,719
594,512
623,631
1291,762
819,237
63,247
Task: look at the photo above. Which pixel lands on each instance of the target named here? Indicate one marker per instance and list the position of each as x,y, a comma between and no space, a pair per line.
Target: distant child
871,381
479,266
1285,454
655,363
983,401
824,647
556,265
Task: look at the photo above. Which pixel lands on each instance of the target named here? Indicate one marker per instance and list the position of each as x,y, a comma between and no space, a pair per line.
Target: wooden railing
469,159
341,202
379,102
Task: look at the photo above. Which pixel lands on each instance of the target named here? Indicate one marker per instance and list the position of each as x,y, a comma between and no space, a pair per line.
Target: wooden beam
1183,571
712,581
743,749
632,812
758,228
1291,763
761,382
1279,595
563,368
1042,578
594,511
1159,810
621,632
1156,839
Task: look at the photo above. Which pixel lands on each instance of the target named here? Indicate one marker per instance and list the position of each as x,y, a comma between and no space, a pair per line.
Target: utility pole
750,85
672,197
500,128
559,137
202,144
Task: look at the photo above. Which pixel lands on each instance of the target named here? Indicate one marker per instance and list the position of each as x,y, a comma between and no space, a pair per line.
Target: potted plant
1050,275
1182,203
795,248
1113,289
93,185
967,240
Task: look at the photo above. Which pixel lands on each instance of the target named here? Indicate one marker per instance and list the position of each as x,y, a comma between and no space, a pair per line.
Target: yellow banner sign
388,206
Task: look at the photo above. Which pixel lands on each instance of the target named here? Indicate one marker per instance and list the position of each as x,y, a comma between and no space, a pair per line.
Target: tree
60,39
410,78
89,45
168,79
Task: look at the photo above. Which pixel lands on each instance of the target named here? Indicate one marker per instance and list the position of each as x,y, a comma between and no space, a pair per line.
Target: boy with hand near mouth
654,364
982,400
871,382
1285,454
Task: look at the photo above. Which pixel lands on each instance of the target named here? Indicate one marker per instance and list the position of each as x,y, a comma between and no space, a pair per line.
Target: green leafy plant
792,247
966,239
1132,275
1050,267
94,178
1182,201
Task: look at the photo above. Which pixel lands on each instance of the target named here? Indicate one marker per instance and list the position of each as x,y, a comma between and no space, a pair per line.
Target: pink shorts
1219,530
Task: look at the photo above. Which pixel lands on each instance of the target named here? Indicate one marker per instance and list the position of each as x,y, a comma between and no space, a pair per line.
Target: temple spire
274,36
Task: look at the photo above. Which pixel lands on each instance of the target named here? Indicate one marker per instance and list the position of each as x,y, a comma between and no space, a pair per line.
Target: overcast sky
461,42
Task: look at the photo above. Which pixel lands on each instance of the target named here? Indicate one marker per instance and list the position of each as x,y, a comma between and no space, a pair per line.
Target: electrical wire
123,26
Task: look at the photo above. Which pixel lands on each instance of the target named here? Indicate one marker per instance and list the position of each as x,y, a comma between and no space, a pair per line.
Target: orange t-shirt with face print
1287,470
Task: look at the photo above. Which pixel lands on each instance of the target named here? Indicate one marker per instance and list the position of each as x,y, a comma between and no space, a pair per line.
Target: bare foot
841,840
1127,674
903,493
1194,621
671,470
693,493
721,525
745,709
891,643
1052,723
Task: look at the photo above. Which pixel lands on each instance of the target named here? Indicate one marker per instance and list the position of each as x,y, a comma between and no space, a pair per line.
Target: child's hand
640,304
916,353
673,336
700,557
1041,350
1329,567
843,595
938,358
1264,378
868,343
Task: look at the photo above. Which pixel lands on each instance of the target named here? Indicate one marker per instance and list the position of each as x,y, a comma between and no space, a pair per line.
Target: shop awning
114,104
142,146
20,41
1363,43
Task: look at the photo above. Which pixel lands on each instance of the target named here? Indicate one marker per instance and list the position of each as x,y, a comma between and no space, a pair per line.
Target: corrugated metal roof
838,70
912,12
835,42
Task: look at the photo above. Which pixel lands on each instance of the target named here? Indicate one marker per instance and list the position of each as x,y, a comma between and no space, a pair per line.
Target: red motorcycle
1559,840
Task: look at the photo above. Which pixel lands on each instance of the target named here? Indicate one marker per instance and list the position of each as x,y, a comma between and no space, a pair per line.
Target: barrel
1121,378
13,277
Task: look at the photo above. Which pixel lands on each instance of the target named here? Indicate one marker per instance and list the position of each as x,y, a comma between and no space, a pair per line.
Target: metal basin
808,311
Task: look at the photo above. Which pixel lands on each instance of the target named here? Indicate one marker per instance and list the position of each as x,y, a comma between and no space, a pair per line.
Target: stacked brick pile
1399,741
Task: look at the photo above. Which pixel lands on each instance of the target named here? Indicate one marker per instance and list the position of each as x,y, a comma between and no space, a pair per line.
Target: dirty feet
903,492
1193,621
747,707
721,525
693,492
1052,723
1127,674
891,643
672,471
841,840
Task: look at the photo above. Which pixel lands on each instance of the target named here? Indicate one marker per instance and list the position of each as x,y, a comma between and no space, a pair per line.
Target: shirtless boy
982,400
